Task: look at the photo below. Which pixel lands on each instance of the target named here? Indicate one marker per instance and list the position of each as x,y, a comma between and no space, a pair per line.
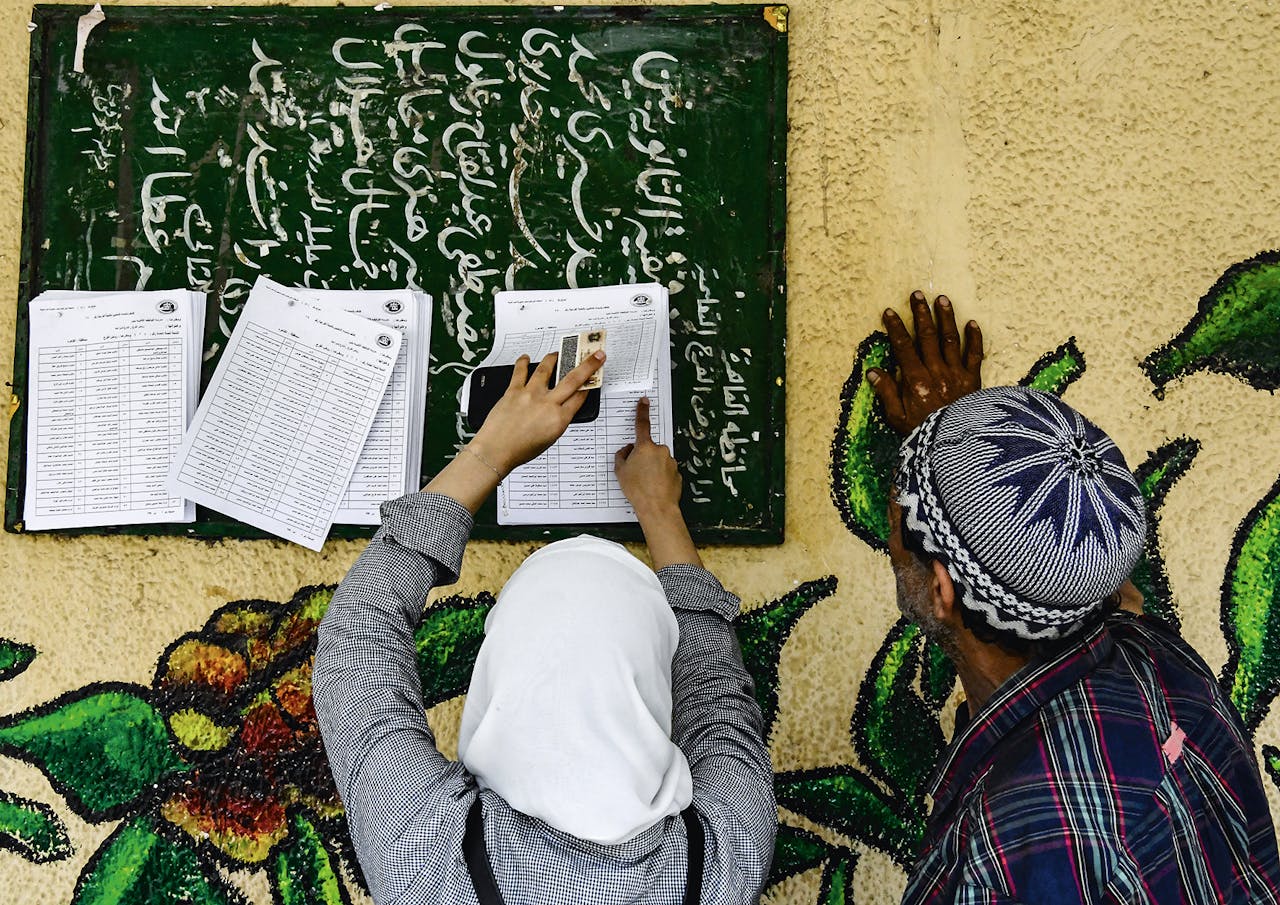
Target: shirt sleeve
403,798
717,723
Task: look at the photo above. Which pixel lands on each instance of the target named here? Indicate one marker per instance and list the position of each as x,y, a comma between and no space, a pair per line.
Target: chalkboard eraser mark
776,16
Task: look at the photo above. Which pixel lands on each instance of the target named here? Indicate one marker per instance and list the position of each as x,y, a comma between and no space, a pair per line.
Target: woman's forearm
667,536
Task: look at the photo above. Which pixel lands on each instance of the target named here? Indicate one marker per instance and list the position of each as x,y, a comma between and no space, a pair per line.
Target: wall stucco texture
1083,170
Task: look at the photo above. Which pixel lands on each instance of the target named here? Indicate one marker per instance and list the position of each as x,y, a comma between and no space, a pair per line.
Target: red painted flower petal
243,824
293,691
265,732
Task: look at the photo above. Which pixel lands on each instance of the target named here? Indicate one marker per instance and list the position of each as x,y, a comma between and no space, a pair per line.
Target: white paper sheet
573,482
282,423
112,383
390,462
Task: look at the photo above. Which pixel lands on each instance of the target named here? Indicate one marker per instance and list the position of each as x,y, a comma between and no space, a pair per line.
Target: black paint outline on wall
868,814
1254,373
870,434
15,657
763,632
205,871
1056,369
903,691
1255,708
60,848
1177,456
837,878
141,802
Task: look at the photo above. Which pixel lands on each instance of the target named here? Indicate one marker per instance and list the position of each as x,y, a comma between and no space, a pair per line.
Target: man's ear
942,594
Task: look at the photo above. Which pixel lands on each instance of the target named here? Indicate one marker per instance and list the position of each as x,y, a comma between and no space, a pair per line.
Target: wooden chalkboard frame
767,528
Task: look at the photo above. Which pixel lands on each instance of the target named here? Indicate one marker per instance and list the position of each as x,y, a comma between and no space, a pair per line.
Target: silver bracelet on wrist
487,463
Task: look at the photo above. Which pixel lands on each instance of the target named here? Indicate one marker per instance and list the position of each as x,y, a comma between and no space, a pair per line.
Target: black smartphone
488,385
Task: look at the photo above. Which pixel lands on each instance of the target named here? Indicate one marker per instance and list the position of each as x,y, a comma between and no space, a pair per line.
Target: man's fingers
622,455
926,332
542,373
948,334
904,350
574,380
642,421
886,389
519,373
973,350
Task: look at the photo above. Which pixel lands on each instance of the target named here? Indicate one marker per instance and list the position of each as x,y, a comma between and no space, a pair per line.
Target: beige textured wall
1084,168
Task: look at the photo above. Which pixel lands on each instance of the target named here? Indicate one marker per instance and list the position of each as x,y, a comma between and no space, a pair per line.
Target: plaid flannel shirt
1114,772
407,804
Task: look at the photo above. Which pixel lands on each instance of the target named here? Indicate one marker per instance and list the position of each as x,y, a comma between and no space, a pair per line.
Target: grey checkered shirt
407,804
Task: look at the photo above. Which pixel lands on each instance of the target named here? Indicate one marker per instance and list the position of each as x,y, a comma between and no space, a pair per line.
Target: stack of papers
316,411
573,481
390,464
285,420
112,382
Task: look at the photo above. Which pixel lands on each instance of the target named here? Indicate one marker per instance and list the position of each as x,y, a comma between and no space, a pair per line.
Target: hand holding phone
526,419
489,384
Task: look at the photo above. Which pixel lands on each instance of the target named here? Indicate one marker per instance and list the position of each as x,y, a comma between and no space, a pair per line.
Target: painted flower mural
217,765
219,762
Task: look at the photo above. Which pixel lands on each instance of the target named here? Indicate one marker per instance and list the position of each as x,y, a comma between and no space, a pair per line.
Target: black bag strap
697,856
476,853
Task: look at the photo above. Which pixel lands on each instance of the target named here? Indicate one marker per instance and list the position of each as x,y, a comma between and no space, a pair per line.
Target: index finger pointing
642,421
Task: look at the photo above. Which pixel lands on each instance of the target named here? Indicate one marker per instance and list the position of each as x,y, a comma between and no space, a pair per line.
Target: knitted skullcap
1029,505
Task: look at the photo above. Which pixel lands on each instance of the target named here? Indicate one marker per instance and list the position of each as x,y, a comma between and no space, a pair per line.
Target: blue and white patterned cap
1029,505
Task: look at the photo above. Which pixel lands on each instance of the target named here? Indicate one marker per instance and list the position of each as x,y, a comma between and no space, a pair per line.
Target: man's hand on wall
933,369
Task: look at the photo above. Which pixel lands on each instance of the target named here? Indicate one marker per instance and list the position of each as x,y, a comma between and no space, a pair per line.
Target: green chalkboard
457,150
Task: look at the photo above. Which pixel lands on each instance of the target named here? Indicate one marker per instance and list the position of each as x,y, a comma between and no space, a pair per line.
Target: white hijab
568,717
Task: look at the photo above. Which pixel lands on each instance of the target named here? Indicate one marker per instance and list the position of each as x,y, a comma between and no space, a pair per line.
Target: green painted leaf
138,866
102,747
1251,611
863,450
1235,330
448,641
849,802
1156,476
1054,371
763,631
32,829
795,851
894,731
837,880
939,678
14,658
305,873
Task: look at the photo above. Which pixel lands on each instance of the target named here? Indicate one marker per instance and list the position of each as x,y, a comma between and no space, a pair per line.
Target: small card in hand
575,348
